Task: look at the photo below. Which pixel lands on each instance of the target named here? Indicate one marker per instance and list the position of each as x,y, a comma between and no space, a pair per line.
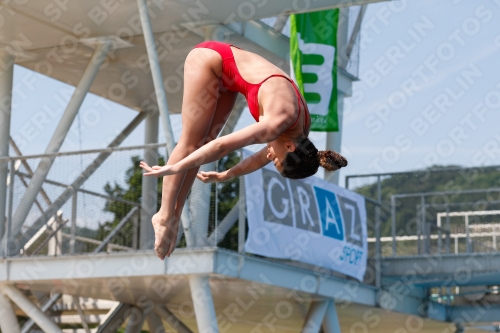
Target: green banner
313,55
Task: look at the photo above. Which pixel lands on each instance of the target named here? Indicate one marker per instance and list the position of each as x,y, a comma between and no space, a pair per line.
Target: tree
132,192
228,194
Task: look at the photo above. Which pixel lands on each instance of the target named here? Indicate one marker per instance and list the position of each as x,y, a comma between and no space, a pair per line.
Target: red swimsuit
232,80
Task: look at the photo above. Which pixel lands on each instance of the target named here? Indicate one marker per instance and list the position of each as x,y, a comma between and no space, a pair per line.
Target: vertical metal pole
135,225
31,310
6,79
155,324
448,228
393,224
456,244
80,180
494,240
8,319
135,321
440,241
467,235
73,223
59,135
154,64
315,316
419,219
423,226
242,215
203,304
149,200
331,322
378,245
334,139
11,206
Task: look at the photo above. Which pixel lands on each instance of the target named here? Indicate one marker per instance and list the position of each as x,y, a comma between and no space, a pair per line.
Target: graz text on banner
311,221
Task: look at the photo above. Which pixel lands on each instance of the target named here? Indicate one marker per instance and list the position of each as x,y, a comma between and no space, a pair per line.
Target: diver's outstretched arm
262,132
244,167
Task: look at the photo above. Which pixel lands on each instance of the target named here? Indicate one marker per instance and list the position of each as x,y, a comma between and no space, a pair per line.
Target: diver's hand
212,176
157,171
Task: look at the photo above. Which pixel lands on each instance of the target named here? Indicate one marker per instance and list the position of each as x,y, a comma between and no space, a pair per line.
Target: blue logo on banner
331,220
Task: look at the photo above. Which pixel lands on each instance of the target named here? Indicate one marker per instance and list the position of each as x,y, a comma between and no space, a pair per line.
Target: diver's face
276,152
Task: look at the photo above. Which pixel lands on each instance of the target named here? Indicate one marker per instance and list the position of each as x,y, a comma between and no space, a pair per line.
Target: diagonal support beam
355,32
45,307
149,196
113,233
135,320
6,80
203,304
171,319
224,226
80,180
29,171
115,318
154,64
31,310
58,137
331,320
315,316
155,324
8,319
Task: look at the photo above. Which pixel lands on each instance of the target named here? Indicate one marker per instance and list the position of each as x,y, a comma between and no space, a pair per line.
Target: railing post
10,206
73,223
242,215
423,226
448,228
467,235
378,247
393,224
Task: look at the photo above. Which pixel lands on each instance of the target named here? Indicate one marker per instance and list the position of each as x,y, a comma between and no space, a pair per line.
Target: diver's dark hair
306,159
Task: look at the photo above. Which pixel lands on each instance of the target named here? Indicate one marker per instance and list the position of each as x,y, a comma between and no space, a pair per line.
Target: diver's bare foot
165,236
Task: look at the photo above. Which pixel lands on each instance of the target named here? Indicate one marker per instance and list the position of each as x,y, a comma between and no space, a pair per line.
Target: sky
428,94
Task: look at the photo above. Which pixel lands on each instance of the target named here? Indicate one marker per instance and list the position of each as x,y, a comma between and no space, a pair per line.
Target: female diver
214,74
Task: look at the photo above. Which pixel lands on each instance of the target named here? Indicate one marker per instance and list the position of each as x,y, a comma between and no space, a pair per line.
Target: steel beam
187,225
8,319
80,180
199,203
114,318
315,316
76,301
149,200
46,306
135,320
155,325
334,139
6,80
31,310
59,135
29,171
331,320
113,232
154,64
171,319
203,304
355,32
224,225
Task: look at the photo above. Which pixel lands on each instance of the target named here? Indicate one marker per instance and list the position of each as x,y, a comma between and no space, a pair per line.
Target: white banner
309,220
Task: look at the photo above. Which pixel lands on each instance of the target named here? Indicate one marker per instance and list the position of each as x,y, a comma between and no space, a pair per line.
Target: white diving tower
132,52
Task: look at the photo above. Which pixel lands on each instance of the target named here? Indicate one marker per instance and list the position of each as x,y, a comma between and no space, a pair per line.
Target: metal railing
411,222
102,214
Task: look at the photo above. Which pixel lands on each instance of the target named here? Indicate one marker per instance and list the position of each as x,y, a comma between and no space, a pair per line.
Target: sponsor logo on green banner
313,50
